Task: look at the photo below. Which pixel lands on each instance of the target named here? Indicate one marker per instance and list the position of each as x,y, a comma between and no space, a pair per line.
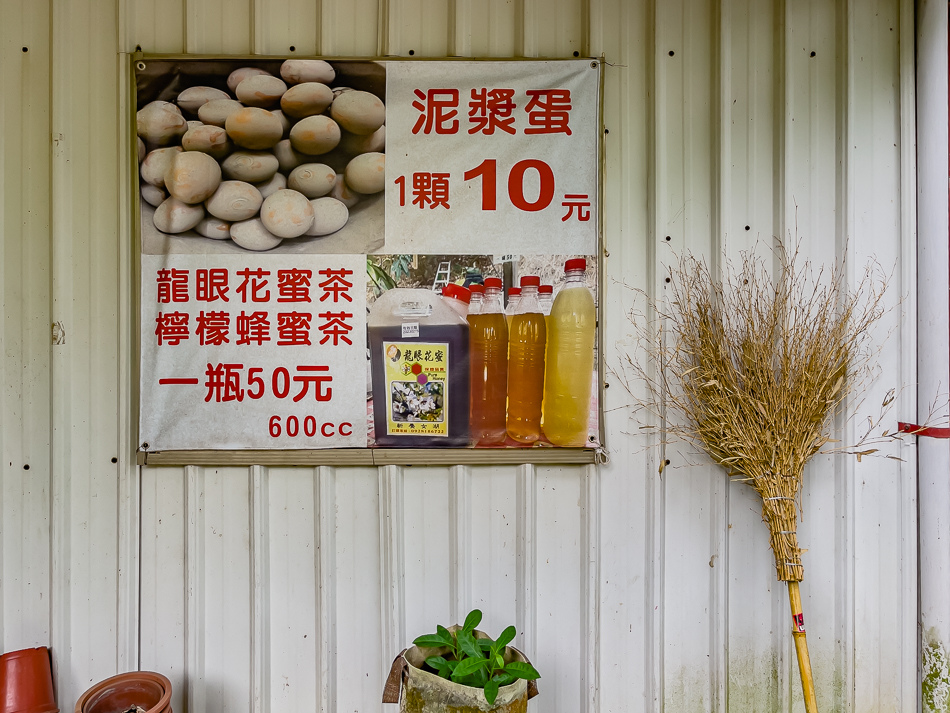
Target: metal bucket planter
425,692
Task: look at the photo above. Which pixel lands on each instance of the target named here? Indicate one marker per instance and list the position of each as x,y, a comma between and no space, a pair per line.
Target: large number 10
486,169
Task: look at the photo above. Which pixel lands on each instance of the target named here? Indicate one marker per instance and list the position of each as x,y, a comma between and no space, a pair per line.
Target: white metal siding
266,589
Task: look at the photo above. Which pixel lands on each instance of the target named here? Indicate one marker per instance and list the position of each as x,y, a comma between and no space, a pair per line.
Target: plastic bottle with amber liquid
476,299
514,297
526,341
488,357
570,359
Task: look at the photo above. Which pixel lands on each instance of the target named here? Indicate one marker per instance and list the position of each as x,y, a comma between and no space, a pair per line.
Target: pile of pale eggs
249,168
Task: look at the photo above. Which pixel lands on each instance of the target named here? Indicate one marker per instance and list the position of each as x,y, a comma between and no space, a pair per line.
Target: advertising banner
300,220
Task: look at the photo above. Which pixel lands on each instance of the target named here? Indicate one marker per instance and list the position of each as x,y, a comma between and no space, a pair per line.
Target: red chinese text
172,285
491,109
549,111
437,111
255,282
335,327
211,285
293,285
172,327
336,285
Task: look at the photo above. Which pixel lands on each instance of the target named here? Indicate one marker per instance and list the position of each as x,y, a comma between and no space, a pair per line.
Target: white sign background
177,416
464,227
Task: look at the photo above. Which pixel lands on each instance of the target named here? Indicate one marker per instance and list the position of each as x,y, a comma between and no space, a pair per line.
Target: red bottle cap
476,288
494,282
457,291
546,290
530,281
514,291
577,263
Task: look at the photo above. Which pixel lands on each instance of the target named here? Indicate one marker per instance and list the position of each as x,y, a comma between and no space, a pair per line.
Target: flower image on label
417,397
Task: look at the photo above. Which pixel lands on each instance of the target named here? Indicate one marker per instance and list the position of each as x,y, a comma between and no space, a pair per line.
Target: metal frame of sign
360,456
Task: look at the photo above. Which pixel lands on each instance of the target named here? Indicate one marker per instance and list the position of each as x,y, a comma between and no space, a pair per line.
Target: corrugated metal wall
263,589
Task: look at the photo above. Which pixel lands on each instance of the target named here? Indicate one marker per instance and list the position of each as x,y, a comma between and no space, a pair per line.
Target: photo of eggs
283,156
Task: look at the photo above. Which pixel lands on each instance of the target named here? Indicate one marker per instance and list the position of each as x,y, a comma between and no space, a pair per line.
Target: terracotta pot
26,682
145,689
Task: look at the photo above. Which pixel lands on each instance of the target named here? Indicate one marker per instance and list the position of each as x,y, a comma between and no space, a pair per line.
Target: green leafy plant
473,661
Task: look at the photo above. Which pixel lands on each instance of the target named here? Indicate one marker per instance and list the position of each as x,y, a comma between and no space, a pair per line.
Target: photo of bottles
482,351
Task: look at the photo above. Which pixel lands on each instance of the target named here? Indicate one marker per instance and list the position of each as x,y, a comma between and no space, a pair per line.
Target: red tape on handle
923,430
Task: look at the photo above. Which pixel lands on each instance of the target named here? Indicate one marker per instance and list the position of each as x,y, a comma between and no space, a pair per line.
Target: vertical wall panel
757,617
163,634
492,542
812,211
694,494
559,576
428,559
219,26
631,628
351,28
554,28
484,28
883,550
85,398
282,24
157,26
288,537
220,588
25,327
358,592
417,26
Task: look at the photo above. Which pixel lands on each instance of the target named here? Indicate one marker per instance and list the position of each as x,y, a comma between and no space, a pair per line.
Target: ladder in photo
441,276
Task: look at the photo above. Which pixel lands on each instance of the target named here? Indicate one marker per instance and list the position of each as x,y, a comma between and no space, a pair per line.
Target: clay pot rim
150,676
24,652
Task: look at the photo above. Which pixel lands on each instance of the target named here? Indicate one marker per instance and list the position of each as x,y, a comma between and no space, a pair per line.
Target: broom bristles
753,369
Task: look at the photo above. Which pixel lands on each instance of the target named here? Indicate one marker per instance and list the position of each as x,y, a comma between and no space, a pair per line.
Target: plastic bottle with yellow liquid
570,359
488,357
546,300
526,342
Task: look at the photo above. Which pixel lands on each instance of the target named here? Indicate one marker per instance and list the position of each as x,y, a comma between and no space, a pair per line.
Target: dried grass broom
752,368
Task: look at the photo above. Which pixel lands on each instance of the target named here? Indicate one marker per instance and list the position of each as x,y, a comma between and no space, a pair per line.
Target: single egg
287,213
252,235
297,71
358,112
234,200
312,179
254,128
315,135
367,173
329,215
192,176
260,90
174,216
250,166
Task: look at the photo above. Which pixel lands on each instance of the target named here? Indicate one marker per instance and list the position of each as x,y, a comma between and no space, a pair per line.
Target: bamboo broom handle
801,648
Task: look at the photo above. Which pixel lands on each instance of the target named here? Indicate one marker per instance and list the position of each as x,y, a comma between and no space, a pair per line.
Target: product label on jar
417,394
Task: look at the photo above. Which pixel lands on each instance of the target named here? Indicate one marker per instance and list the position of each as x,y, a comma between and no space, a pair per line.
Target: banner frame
551,455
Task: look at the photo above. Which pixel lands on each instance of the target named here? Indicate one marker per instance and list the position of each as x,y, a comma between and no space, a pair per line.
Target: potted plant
460,668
